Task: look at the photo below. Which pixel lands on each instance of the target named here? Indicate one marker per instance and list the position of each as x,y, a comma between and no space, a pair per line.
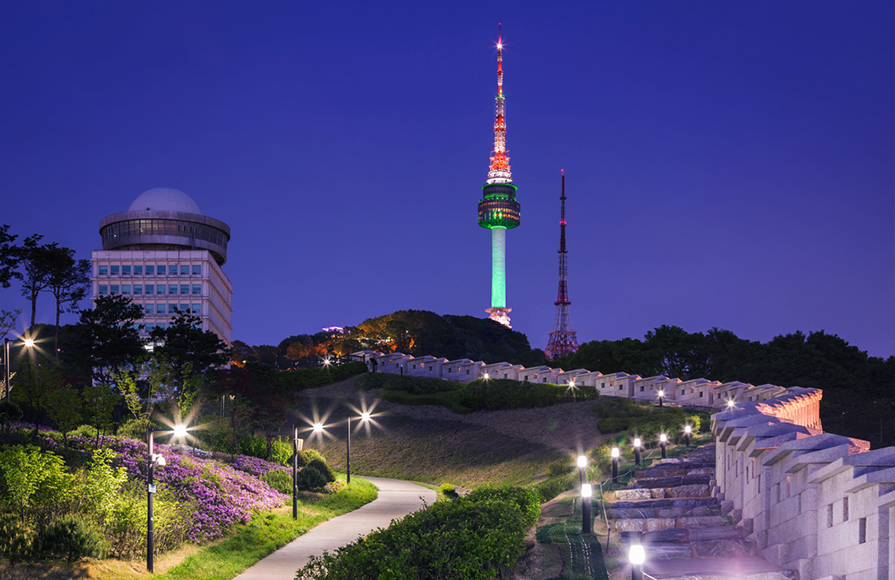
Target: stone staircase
669,509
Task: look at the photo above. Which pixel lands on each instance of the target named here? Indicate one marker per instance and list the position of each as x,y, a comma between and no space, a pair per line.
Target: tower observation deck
498,208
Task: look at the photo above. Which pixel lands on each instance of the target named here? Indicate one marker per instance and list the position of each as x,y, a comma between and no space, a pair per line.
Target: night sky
728,164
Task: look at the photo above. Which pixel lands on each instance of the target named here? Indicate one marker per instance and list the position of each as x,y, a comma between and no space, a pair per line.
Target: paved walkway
396,500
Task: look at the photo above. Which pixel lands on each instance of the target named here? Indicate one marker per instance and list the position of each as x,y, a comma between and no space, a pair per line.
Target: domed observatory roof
164,218
165,199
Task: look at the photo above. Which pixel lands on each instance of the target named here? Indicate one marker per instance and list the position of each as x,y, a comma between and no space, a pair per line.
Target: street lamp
687,432
730,403
586,493
150,533
663,439
297,444
614,454
637,557
364,417
637,451
29,342
661,396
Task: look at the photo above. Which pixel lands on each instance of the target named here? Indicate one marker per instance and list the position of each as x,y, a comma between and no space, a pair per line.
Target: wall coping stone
884,457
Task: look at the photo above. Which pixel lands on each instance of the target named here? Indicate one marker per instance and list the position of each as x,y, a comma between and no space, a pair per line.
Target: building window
160,289
197,270
845,509
641,388
196,308
149,308
184,269
700,393
138,289
125,270
682,391
184,289
619,387
172,288
172,270
693,389
103,289
197,289
830,516
150,289
150,270
160,308
759,483
467,372
114,270
149,326
184,307
114,289
103,270
862,530
138,270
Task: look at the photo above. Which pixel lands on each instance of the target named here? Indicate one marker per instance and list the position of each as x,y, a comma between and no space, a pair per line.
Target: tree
10,257
8,320
35,383
188,353
67,280
64,406
35,259
106,341
99,402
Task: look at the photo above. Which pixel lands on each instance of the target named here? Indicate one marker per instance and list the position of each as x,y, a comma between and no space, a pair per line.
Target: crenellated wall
811,501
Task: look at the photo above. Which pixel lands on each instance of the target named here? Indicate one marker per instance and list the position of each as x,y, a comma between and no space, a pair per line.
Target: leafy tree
241,353
99,402
64,405
35,383
67,280
10,257
9,413
36,259
107,341
188,353
30,477
8,320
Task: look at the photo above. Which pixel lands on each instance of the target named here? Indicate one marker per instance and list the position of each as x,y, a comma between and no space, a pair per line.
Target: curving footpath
396,500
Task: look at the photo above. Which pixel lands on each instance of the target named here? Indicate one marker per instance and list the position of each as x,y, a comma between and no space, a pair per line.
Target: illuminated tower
498,209
563,339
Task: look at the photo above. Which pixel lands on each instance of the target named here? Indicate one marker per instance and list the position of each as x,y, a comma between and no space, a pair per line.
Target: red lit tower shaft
563,340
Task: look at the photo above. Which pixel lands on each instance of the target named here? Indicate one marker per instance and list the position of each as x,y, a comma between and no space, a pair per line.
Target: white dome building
166,256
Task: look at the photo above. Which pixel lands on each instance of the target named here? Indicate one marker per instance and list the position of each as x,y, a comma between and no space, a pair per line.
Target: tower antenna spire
563,340
498,208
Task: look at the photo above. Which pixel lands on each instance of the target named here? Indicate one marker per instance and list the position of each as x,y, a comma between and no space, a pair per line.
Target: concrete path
396,500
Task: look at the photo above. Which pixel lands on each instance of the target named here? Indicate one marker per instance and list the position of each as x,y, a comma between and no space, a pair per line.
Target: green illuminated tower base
499,212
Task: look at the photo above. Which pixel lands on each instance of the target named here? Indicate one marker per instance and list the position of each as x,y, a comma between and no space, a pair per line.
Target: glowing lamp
637,442
318,427
730,404
663,438
487,377
614,452
661,393
29,342
688,429
179,430
582,461
637,555
586,490
365,416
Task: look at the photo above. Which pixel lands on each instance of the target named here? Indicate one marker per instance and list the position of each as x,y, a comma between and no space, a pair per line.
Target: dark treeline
859,390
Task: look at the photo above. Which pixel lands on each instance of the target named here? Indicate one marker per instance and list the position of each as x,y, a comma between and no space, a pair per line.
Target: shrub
88,431
552,487
9,412
134,429
562,466
32,482
279,479
448,490
71,538
325,470
310,479
17,541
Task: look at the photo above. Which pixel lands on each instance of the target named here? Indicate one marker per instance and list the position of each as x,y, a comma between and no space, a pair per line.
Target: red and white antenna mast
563,340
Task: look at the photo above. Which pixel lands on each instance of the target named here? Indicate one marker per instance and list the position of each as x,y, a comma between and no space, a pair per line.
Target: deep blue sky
728,164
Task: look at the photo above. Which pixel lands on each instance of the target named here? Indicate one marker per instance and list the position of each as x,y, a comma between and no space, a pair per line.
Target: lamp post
637,557
637,451
614,454
661,396
687,432
663,439
150,533
586,492
297,444
6,359
364,417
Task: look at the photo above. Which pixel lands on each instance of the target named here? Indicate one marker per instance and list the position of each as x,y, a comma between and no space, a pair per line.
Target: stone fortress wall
814,502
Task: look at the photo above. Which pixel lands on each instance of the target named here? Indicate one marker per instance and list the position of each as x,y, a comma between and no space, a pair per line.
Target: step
675,481
685,535
746,568
672,512
686,502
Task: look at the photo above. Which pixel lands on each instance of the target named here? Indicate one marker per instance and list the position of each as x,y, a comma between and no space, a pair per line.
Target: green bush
88,431
9,412
280,480
325,470
17,540
133,429
562,466
448,490
309,479
552,487
71,538
477,537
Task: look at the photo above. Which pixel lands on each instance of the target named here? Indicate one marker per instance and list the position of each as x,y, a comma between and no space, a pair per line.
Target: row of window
137,270
149,289
164,227
172,308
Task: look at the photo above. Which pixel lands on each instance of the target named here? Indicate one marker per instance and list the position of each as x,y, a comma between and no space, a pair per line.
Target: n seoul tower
498,209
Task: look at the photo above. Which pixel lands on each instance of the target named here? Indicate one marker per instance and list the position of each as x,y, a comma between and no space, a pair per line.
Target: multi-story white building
166,256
